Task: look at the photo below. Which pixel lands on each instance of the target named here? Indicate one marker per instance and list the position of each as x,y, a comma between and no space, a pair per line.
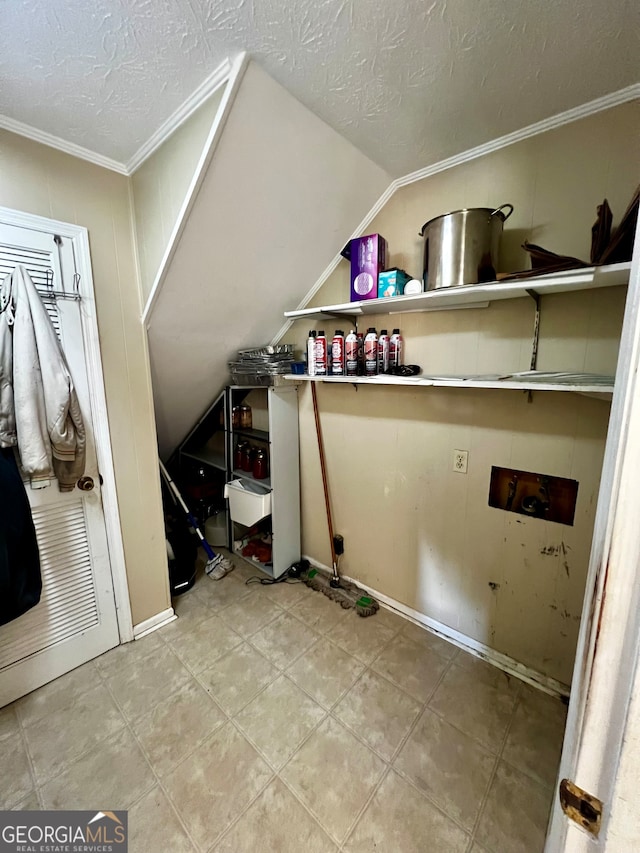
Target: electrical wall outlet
460,461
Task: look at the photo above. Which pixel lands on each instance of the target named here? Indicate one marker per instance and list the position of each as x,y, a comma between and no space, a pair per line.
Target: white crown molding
184,111
234,78
614,99
222,73
22,129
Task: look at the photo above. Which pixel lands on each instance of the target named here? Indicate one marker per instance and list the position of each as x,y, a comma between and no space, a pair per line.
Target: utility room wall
160,187
415,530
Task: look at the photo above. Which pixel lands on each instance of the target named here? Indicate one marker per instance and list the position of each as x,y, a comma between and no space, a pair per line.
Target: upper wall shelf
591,385
477,295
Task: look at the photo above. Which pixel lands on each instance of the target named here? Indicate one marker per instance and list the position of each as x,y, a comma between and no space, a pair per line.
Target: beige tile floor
269,719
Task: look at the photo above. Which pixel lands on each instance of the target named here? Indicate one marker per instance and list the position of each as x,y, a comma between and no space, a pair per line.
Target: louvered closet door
76,619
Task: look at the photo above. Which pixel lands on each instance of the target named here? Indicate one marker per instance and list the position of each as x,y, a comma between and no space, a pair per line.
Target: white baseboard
473,647
152,624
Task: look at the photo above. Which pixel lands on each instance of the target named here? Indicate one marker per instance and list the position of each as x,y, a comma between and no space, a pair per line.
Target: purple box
368,256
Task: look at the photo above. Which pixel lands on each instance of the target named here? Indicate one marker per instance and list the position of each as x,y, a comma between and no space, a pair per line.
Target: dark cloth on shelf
607,247
601,232
620,247
20,578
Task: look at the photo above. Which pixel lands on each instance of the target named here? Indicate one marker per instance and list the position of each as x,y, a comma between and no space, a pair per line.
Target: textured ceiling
408,82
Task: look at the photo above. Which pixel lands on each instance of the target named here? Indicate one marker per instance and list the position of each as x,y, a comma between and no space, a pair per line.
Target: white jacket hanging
39,409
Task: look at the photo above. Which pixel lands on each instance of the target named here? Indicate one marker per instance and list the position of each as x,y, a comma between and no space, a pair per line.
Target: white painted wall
415,530
281,196
160,186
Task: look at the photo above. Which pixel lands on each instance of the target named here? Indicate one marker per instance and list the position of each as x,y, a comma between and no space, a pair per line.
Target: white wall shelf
209,457
476,295
594,386
257,434
239,473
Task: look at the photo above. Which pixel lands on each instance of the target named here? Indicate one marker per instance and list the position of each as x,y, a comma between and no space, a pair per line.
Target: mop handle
207,548
173,487
325,485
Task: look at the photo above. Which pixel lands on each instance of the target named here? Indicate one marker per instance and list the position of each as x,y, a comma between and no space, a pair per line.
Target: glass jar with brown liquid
246,417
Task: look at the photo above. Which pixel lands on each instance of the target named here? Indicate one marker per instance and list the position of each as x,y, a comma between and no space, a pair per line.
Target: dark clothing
20,579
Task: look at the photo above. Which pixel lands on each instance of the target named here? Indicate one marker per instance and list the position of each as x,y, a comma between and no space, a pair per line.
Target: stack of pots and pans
259,366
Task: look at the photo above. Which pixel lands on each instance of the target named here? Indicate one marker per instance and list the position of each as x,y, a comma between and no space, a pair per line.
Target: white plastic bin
215,529
247,503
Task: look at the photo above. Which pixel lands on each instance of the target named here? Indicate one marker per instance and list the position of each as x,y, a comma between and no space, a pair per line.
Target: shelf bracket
340,316
536,334
536,328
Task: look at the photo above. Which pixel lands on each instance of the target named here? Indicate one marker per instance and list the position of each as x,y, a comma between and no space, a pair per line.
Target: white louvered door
76,618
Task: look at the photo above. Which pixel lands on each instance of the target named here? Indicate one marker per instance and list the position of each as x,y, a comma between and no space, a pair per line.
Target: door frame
609,639
79,236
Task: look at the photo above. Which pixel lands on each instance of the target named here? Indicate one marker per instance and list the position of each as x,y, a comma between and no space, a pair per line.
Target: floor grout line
427,796
220,837
211,663
308,809
32,772
262,627
481,744
291,660
200,743
38,785
296,750
425,706
404,741
312,697
388,769
158,780
483,801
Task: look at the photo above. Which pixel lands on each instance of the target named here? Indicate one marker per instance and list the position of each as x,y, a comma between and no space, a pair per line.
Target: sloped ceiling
408,82
280,196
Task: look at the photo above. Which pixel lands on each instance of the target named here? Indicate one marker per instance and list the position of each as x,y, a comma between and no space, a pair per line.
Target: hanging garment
20,579
39,410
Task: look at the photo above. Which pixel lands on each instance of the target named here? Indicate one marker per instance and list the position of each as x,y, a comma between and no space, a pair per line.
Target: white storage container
215,529
245,505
